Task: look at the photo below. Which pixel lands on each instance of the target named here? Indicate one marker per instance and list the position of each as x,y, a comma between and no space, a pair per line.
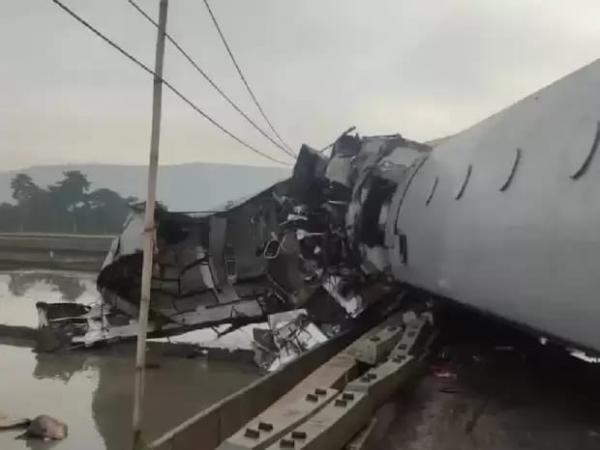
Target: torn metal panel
380,170
319,235
308,178
353,304
374,349
291,333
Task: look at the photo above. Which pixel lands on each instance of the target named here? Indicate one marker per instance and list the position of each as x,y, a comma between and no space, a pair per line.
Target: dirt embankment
53,251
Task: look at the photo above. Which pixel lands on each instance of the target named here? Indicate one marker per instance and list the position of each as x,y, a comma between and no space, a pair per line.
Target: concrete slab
331,427
210,427
411,335
374,349
277,421
382,381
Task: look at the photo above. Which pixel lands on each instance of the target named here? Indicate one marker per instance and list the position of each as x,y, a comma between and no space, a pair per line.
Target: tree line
69,206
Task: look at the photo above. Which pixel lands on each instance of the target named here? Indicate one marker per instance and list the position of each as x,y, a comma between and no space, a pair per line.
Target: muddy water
92,391
19,290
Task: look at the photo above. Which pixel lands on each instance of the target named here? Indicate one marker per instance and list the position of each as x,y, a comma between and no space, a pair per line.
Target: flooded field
92,391
19,290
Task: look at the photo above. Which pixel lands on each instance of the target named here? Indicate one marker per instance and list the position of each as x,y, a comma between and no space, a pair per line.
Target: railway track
470,382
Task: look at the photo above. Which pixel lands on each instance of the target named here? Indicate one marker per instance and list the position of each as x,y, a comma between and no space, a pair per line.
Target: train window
433,188
465,182
403,248
511,175
588,160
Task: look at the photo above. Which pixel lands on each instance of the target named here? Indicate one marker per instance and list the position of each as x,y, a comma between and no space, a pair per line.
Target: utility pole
149,232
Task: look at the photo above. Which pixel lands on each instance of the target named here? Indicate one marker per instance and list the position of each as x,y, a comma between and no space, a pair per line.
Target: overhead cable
239,71
210,81
165,82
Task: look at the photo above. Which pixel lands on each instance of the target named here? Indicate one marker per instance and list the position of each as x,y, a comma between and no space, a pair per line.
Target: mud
490,387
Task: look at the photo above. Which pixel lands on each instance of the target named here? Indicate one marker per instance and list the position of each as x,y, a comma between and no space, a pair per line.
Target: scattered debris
290,334
46,428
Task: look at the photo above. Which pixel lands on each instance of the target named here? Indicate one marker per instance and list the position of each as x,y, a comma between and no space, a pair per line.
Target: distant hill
183,187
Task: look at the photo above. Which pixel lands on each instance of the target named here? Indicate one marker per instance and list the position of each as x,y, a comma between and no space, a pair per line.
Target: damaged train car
502,217
314,241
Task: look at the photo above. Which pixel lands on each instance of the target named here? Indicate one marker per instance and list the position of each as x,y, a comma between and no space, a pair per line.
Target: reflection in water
174,391
36,444
20,290
92,393
27,396
92,390
70,287
47,366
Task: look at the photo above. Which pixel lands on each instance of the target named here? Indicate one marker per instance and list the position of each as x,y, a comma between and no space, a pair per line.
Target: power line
165,82
239,71
207,78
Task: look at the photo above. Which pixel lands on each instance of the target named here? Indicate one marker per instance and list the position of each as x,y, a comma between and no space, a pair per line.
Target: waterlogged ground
20,290
92,391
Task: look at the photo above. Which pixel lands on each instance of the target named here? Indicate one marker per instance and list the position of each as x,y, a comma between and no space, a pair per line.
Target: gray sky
423,68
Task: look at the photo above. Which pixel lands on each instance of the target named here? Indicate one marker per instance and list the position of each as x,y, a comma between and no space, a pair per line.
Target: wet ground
19,290
496,390
488,386
91,391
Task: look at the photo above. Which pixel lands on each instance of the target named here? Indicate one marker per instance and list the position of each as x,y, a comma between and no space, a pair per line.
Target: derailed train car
505,216
502,217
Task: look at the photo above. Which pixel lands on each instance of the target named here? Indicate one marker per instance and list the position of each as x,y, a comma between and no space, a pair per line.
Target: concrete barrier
209,428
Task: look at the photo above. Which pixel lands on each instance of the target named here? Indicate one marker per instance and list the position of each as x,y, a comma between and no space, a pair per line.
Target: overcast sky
423,68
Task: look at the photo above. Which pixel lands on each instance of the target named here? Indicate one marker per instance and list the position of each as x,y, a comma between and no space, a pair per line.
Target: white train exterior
505,216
